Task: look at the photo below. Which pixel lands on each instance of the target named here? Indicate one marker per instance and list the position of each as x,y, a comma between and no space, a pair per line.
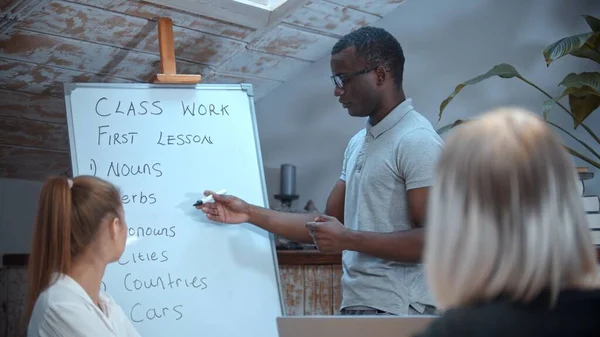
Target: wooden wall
13,283
310,282
311,289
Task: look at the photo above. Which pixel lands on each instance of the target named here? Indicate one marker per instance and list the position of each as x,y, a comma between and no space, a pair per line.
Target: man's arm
336,201
292,226
403,246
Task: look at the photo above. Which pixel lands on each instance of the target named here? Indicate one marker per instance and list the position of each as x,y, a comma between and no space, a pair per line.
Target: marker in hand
209,198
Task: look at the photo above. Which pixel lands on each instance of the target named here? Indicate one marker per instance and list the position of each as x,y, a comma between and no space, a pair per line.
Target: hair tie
70,182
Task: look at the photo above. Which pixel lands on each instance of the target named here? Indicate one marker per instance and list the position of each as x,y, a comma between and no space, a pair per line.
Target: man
381,195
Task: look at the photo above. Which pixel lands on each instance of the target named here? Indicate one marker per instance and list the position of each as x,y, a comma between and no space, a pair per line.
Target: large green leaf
584,45
590,50
581,80
583,90
502,70
593,22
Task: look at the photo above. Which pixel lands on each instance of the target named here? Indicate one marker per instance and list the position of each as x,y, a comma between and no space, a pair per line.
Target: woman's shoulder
476,320
64,308
450,323
505,317
62,291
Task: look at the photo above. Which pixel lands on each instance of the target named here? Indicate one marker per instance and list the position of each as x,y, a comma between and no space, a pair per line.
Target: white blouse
65,309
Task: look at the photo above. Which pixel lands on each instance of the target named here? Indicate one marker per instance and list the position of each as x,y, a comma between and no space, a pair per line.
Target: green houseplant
582,89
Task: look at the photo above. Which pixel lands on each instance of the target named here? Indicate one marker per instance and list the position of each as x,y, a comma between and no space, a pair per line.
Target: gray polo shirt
381,163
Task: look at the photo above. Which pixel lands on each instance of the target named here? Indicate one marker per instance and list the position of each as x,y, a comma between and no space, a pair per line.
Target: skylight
249,13
269,5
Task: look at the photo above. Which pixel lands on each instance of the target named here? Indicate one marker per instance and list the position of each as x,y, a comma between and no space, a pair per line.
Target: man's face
359,91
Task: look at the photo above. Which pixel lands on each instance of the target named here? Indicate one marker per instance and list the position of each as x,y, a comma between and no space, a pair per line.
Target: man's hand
328,234
226,209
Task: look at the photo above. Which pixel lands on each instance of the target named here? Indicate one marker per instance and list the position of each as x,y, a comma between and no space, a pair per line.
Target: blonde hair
505,217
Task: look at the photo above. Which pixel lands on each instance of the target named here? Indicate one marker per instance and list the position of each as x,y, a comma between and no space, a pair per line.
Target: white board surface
163,145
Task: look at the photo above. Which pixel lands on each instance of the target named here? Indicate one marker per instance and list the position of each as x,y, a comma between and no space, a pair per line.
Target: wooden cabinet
310,282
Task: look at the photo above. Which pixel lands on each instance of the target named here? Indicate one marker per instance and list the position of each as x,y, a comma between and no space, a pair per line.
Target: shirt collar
391,119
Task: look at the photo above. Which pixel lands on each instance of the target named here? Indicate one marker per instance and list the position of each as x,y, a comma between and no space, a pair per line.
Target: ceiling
45,43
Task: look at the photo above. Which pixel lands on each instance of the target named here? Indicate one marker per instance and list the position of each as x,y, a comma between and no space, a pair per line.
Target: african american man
375,213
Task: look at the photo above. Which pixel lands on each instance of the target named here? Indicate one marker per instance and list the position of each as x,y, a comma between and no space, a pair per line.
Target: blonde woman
508,248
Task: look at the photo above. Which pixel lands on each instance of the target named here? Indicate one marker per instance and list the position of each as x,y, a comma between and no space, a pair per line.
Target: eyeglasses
338,80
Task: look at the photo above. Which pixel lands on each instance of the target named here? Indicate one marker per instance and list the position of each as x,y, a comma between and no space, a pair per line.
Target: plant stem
589,131
582,157
589,148
542,91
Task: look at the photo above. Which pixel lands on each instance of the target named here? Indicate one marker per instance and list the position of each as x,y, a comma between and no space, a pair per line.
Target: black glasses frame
338,80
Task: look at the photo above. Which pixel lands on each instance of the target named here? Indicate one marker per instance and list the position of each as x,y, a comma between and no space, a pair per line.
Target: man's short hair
376,47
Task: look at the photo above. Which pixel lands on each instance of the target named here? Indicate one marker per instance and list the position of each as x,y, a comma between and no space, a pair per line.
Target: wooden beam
24,105
167,57
32,164
34,134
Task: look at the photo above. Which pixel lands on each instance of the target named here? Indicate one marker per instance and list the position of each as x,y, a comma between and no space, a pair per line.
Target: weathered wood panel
288,41
253,63
330,18
375,7
3,301
29,133
292,287
32,164
39,79
119,30
88,23
4,4
336,285
15,301
78,55
32,106
261,86
318,294
180,18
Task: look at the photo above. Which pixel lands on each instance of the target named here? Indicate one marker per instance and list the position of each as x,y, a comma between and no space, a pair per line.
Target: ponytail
51,244
69,214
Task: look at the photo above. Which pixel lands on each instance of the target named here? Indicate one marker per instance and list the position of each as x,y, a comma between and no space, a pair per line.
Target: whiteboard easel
163,145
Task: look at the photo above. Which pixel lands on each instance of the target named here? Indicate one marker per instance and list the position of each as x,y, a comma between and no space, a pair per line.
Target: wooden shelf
15,260
307,257
285,257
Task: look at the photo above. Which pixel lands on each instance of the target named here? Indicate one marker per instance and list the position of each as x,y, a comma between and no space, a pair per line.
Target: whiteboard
163,145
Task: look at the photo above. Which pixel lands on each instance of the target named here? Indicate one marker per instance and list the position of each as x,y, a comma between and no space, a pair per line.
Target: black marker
208,198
